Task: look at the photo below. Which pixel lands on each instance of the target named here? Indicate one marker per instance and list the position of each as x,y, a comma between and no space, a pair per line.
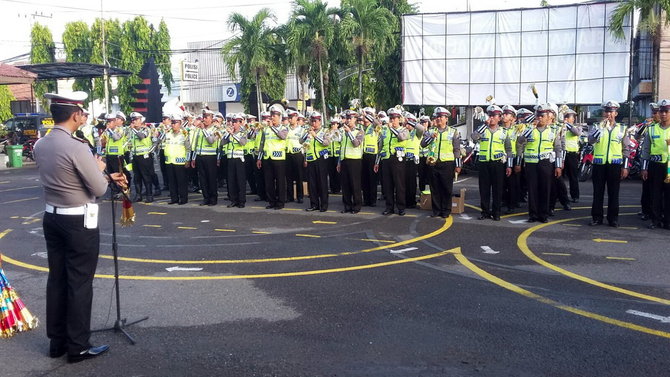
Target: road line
187,227
157,213
14,217
5,232
307,235
371,240
19,188
3,182
575,225
629,227
522,243
559,254
292,209
600,240
257,276
31,221
259,232
225,230
20,200
152,226
516,289
621,258
324,222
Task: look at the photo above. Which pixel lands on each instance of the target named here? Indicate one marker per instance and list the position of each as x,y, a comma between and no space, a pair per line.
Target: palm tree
252,52
370,28
650,15
311,31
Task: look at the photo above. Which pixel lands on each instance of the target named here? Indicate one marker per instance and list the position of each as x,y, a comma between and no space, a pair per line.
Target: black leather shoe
172,202
231,205
496,218
211,204
544,221
203,204
323,210
182,203
299,201
149,199
355,211
566,207
483,217
57,352
345,211
311,209
644,217
613,224
386,213
269,207
444,215
241,205
531,220
401,212
87,354
595,222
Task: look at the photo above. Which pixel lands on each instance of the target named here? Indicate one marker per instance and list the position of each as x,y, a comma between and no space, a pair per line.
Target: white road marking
177,268
488,250
402,250
649,315
465,217
41,254
517,221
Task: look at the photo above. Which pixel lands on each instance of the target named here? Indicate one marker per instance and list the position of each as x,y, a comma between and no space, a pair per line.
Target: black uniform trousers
539,178
558,192
193,178
442,187
222,171
161,163
333,175
511,188
143,171
607,175
249,167
294,173
206,165
237,181
571,172
350,172
411,169
259,177
491,178
393,186
275,182
72,252
177,183
317,176
369,180
645,198
423,171
660,194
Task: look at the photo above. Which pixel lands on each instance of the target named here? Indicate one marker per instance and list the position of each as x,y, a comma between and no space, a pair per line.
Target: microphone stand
120,324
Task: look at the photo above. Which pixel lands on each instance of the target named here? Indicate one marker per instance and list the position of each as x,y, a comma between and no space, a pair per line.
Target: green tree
161,46
651,15
112,31
253,52
42,50
312,30
369,29
78,48
6,98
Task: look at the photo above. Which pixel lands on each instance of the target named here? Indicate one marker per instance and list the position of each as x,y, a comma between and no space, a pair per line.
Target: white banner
566,51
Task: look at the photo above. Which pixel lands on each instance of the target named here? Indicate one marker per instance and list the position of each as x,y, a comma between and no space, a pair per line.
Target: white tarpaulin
566,51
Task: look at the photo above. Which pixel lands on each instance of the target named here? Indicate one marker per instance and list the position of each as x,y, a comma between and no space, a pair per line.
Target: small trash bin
15,153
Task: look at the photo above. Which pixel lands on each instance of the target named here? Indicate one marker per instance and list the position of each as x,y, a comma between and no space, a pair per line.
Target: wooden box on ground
457,202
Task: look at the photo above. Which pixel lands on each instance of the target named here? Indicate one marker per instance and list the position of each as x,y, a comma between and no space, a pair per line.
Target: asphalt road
260,292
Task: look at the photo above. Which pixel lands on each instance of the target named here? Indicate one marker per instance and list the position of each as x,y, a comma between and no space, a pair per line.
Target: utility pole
105,74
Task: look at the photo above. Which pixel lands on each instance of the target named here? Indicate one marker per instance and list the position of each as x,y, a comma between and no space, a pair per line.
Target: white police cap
424,118
75,99
441,111
523,112
509,109
393,111
654,106
121,115
493,109
135,115
315,115
545,107
664,104
176,117
611,105
110,116
206,112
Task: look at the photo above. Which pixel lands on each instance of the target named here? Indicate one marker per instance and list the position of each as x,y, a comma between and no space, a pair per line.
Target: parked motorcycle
585,163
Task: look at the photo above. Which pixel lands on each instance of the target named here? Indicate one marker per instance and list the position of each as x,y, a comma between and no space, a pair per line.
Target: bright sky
194,20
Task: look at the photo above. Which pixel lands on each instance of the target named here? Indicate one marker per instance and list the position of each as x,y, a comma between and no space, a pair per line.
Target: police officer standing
235,139
369,177
177,147
295,158
645,196
655,167
205,145
115,147
316,142
72,179
143,163
350,165
610,164
391,156
272,159
511,184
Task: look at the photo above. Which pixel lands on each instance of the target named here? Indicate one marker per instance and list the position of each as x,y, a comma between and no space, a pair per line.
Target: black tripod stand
119,324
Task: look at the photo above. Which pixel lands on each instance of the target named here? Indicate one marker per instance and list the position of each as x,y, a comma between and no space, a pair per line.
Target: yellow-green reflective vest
659,147
492,145
234,149
390,144
512,134
141,146
293,140
349,152
274,147
335,147
412,145
115,148
571,141
315,149
540,145
200,145
442,146
370,140
174,148
608,149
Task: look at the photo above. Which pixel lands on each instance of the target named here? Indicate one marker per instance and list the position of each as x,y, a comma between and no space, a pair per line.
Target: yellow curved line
447,224
516,289
256,276
522,243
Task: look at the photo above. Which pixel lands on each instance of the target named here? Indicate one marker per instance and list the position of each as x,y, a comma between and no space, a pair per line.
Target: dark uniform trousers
161,163
259,177
294,173
177,183
423,171
442,187
73,256
411,169
558,192
333,175
249,167
237,181
352,197
274,172
393,183
143,171
645,198
571,172
369,180
606,175
660,194
206,165
317,175
115,165
539,178
511,188
491,178
221,171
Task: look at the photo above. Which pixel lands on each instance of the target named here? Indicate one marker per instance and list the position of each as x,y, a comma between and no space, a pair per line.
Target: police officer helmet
664,105
441,111
494,110
611,105
393,112
509,109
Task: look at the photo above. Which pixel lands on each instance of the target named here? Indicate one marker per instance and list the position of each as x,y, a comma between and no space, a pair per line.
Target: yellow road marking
19,188
19,200
576,225
522,243
255,207
559,254
3,182
152,226
629,227
14,217
307,235
292,209
516,289
324,222
366,213
5,232
257,276
31,221
187,227
225,230
371,240
259,232
157,213
600,240
621,258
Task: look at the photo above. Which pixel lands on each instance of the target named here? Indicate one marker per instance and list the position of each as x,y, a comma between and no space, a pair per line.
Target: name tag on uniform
91,216
113,149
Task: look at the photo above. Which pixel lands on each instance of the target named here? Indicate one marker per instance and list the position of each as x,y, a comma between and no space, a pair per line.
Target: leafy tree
255,53
6,97
369,30
651,15
43,50
161,47
78,48
112,29
136,44
312,30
